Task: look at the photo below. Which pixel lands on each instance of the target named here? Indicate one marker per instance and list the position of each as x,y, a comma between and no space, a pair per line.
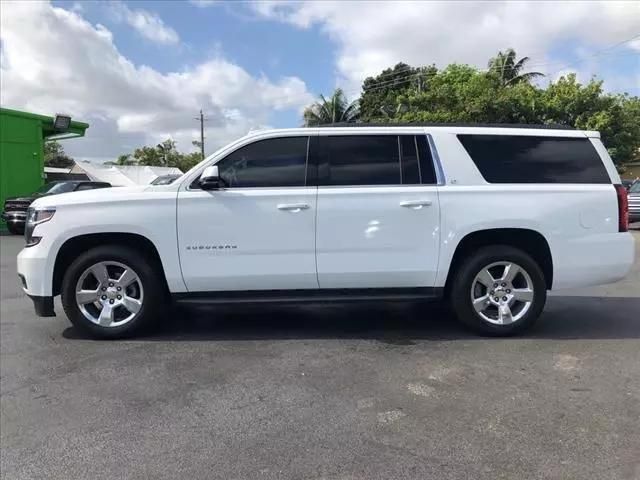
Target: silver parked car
634,202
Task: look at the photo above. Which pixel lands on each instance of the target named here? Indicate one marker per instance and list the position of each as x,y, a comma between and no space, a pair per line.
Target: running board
309,296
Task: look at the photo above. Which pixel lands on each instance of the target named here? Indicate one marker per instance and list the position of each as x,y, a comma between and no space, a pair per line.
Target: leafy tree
380,93
461,93
122,160
509,72
587,107
54,156
164,154
332,110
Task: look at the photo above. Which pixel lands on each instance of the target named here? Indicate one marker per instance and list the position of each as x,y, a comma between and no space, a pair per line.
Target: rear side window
275,162
410,166
362,160
531,159
376,160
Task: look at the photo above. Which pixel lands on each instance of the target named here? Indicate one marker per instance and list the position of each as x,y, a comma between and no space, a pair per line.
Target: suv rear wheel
112,292
499,291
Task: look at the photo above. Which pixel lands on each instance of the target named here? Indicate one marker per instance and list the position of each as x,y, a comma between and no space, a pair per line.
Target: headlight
36,216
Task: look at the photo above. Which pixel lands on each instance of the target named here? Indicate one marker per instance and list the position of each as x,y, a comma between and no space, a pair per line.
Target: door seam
315,236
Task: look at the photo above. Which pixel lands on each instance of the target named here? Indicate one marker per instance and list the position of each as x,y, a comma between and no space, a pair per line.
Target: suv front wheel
112,292
498,290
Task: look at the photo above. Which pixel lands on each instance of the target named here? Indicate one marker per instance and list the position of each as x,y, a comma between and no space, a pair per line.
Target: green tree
55,156
150,156
587,107
379,100
461,93
164,154
122,160
508,71
332,110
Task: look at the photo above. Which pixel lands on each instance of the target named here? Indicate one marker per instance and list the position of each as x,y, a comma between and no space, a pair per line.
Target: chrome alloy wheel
109,294
502,293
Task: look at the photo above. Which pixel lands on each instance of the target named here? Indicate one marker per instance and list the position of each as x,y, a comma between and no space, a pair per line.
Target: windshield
55,187
164,180
635,188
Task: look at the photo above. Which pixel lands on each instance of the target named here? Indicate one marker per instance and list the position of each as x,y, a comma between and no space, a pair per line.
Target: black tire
155,294
15,228
462,283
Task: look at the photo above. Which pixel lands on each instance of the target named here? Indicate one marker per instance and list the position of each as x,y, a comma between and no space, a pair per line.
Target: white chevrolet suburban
489,218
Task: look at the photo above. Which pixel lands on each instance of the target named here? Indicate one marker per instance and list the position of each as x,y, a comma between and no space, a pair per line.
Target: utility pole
202,120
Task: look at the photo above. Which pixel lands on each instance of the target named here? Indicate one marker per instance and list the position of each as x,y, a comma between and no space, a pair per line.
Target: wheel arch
68,252
530,241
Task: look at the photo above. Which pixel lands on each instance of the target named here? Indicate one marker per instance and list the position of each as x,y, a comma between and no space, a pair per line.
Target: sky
139,71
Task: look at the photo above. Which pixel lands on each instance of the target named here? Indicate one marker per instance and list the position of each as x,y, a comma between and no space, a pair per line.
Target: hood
98,195
20,199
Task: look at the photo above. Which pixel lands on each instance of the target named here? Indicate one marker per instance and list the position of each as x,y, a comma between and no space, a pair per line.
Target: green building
22,137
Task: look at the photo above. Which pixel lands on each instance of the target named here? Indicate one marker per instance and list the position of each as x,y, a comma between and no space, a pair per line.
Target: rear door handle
293,207
415,204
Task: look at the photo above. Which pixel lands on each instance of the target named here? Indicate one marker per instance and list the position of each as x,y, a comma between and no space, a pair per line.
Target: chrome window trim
435,158
408,185
437,164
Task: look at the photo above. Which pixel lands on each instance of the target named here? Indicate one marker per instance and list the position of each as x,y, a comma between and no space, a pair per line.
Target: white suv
488,217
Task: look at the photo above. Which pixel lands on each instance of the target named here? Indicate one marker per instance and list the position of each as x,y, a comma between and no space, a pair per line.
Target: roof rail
434,124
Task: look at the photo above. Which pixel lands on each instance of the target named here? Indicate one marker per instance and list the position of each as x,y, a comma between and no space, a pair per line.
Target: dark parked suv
15,208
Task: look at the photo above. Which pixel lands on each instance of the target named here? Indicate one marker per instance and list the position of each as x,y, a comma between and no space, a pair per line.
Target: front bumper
33,272
43,306
36,271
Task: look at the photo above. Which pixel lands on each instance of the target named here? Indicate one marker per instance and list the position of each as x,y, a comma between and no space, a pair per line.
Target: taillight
623,208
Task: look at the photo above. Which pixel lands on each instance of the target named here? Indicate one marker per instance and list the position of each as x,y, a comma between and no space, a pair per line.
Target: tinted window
277,162
528,159
410,167
89,186
427,170
55,188
362,160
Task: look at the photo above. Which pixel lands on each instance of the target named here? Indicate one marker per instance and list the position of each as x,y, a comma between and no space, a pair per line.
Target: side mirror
210,178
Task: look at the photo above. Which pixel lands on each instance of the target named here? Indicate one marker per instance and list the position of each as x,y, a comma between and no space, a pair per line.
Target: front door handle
293,207
415,204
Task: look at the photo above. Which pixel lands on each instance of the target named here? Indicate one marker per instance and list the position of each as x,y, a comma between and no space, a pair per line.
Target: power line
403,79
409,77
598,53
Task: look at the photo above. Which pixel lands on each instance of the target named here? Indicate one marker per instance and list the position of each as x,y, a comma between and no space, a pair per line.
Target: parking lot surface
369,391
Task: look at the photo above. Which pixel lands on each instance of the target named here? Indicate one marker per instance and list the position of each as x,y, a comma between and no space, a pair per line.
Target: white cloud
53,60
148,24
371,36
204,3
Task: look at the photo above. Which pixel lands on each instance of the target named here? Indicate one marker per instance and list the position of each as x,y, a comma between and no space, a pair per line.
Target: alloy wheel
109,294
502,293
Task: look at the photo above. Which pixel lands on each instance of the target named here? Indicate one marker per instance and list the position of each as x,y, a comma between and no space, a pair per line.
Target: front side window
275,162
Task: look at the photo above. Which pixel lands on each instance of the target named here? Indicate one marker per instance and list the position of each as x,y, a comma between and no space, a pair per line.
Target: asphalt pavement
369,391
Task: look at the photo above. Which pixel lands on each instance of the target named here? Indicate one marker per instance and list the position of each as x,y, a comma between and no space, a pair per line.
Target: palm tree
333,110
508,71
